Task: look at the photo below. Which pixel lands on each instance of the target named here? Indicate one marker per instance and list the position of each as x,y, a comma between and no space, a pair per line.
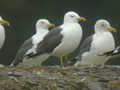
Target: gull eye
42,22
72,16
103,25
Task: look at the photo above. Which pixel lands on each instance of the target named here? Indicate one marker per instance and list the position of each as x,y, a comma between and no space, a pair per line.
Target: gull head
44,24
3,22
72,16
103,25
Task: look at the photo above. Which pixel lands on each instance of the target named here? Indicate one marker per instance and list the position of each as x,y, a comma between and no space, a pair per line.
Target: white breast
72,34
37,38
2,36
102,43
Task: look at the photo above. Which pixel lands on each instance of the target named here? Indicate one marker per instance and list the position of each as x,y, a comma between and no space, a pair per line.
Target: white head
103,25
72,17
43,24
4,22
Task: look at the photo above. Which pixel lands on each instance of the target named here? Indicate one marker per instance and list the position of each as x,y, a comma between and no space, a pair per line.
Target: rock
56,78
93,86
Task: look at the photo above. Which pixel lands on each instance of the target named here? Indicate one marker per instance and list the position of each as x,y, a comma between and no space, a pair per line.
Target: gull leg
62,65
66,62
61,61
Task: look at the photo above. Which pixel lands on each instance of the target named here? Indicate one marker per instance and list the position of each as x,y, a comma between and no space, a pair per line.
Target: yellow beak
51,25
6,23
111,29
81,19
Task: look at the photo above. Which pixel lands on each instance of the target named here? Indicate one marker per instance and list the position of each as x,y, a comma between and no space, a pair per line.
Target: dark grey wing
21,52
110,53
50,42
116,51
85,46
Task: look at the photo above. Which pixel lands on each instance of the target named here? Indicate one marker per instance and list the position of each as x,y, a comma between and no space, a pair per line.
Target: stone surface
55,78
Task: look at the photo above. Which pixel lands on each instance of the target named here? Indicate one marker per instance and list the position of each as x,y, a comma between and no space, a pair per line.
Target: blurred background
22,15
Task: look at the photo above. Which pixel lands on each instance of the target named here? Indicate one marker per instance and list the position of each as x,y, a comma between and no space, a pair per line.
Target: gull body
2,31
63,39
30,45
101,41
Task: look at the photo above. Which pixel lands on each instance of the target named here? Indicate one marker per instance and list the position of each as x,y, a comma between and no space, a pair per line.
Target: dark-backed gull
101,41
30,45
63,39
